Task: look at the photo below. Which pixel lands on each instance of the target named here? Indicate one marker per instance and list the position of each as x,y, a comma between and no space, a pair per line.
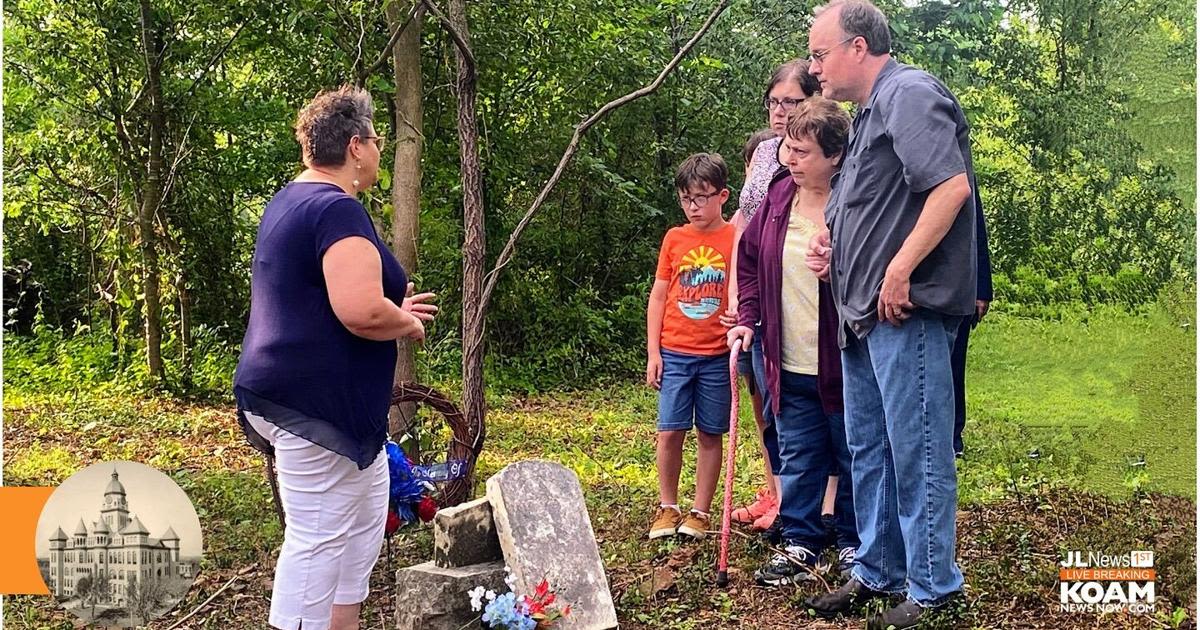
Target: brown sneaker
666,521
695,525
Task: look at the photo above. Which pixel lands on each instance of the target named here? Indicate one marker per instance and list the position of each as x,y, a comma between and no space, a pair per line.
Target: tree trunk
183,300
474,245
152,195
406,176
185,330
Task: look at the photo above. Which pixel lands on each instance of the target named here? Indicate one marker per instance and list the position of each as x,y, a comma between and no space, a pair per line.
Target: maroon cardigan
760,285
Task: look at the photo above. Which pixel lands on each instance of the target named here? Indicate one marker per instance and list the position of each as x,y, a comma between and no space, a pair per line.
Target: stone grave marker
465,534
429,597
544,530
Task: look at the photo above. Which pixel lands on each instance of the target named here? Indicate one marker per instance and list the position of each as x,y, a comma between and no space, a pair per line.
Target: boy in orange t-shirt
688,362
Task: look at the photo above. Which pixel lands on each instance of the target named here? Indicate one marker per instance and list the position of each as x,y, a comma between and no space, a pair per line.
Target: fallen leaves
661,579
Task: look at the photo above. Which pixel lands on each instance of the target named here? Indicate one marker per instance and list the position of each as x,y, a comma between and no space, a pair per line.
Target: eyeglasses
819,56
700,200
788,104
379,141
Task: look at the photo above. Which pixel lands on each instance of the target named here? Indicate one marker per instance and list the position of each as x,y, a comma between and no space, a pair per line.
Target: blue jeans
900,424
809,446
757,362
770,435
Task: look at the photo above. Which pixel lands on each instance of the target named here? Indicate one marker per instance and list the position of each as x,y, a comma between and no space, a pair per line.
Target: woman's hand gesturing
419,304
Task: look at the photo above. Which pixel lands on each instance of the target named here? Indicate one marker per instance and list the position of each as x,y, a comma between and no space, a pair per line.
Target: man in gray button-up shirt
902,268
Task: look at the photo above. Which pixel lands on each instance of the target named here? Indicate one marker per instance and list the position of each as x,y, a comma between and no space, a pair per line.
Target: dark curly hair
326,125
752,143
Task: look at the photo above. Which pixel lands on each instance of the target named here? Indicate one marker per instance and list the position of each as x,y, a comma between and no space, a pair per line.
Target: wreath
453,476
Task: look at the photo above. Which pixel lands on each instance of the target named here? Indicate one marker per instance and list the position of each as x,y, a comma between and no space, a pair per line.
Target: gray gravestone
464,535
429,597
544,531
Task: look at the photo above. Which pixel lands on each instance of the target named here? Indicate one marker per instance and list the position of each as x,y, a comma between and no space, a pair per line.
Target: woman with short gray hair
787,88
314,381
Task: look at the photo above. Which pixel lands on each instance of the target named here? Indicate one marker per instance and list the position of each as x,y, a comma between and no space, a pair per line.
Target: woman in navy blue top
327,302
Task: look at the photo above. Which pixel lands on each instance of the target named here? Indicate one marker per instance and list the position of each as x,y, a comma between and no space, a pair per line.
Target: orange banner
21,508
1106,575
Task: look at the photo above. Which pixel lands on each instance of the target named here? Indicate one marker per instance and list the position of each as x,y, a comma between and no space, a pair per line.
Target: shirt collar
888,68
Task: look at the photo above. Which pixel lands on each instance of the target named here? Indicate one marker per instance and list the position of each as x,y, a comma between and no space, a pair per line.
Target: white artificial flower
476,598
511,581
490,595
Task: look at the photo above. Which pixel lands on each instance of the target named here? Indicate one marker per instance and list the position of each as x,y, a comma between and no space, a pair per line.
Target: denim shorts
695,391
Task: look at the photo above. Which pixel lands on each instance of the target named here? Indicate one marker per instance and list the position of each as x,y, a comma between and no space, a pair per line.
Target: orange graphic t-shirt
697,266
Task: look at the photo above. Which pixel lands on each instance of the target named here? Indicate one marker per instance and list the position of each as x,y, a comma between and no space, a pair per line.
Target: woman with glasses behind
327,302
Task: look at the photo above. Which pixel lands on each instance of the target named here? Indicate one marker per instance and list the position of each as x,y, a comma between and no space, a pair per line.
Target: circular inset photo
119,544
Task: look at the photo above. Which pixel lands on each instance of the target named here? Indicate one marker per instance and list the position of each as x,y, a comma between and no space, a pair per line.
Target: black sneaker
773,535
846,599
846,561
906,614
796,565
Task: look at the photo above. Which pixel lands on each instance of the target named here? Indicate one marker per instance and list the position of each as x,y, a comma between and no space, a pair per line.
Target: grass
1088,395
1119,388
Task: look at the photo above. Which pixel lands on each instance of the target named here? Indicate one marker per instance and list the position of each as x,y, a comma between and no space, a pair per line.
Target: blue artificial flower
405,488
503,612
404,511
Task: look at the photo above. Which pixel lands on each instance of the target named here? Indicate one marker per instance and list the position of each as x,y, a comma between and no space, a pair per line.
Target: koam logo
1096,593
1103,583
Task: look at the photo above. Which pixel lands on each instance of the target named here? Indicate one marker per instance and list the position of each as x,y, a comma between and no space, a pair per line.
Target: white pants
335,516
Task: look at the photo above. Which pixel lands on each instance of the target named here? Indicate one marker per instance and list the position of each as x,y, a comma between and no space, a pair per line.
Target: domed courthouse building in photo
117,547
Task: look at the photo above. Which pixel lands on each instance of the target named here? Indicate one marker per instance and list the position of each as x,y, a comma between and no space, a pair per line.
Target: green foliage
1096,392
1084,393
1082,119
53,361
236,510
567,338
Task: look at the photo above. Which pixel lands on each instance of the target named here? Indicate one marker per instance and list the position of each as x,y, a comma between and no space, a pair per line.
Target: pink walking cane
730,453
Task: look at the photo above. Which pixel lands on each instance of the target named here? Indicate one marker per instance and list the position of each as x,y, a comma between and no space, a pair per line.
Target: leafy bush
1083,151
54,361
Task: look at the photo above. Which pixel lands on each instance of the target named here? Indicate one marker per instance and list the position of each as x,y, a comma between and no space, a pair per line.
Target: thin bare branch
137,98
29,75
206,602
507,253
213,62
391,43
358,46
181,153
74,185
349,25
461,43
